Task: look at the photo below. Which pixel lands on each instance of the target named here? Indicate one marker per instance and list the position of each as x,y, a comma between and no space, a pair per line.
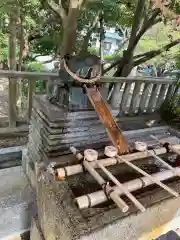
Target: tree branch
159,4
148,24
89,33
151,54
145,56
136,21
57,8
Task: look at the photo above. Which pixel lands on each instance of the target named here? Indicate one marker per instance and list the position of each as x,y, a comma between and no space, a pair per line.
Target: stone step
11,156
17,202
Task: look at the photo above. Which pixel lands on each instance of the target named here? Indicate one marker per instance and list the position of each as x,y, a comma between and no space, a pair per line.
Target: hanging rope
87,79
82,80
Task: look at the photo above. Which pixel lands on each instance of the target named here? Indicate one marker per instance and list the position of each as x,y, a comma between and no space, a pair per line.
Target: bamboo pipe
165,164
121,187
171,147
75,169
113,194
142,147
99,197
174,193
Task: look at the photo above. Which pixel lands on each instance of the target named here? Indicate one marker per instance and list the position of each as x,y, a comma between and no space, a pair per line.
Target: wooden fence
137,95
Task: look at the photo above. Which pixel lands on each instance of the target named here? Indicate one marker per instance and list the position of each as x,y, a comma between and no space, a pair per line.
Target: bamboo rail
75,169
121,187
99,197
174,193
113,194
141,146
172,148
82,202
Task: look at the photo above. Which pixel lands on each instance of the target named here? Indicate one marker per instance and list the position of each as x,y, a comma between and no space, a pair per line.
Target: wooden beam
47,75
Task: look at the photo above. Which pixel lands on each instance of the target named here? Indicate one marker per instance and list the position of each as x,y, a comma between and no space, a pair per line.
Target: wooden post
104,90
125,98
170,91
135,98
12,65
145,97
162,95
12,103
153,98
31,89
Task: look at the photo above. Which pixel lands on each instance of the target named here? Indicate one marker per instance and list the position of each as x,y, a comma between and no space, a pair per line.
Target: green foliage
177,59
113,56
156,38
170,109
36,67
93,51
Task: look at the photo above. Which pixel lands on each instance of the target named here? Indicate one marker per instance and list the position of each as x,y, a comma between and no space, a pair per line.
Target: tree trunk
12,66
22,53
85,43
69,31
22,42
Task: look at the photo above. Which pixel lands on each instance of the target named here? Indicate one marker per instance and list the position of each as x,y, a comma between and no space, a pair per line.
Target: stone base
60,218
36,233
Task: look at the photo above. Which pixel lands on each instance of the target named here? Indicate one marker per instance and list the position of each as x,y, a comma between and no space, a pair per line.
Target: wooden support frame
99,197
75,169
113,194
162,185
118,186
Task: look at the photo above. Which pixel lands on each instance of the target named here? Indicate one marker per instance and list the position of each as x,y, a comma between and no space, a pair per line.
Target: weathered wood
170,92
129,102
145,97
114,132
125,98
47,75
104,90
162,95
135,101
134,79
31,89
12,113
12,65
153,98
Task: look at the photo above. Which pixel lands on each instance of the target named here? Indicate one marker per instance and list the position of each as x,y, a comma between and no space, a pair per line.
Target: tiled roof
113,36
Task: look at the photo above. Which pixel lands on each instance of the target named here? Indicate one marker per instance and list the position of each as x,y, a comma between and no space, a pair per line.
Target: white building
112,41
